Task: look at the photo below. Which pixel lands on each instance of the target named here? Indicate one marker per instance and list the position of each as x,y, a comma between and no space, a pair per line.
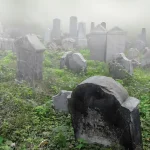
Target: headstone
103,24
1,29
116,41
29,51
102,112
143,35
73,61
140,45
47,37
68,43
73,27
60,101
7,44
56,31
133,53
135,63
92,26
81,37
121,67
97,43
145,60
64,61
77,63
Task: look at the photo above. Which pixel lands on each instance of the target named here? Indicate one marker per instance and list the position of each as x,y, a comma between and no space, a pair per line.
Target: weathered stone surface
121,67
7,44
145,60
133,53
81,37
73,27
47,37
77,63
56,31
60,101
142,36
135,63
29,51
97,43
73,61
92,26
102,112
140,45
116,41
68,43
64,59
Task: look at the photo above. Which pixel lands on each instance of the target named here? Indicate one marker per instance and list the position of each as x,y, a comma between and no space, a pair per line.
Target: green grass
27,116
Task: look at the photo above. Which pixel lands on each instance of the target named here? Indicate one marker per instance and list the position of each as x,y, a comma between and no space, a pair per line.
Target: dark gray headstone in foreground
60,101
102,112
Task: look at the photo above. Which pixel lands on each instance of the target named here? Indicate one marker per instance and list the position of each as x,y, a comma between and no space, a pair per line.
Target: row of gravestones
101,108
29,52
77,34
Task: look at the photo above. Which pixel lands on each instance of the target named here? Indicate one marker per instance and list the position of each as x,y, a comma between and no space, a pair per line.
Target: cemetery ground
27,117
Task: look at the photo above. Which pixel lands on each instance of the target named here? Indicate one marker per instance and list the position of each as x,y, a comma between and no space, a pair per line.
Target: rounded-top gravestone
102,112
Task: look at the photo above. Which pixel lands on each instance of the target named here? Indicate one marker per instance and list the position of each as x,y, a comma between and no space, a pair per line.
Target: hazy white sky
133,14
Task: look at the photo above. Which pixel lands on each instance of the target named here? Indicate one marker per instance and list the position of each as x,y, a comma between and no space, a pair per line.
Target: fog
131,15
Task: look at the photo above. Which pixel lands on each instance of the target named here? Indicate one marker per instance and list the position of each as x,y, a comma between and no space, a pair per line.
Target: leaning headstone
73,61
102,112
121,67
56,31
73,27
60,101
103,24
92,26
81,37
29,51
97,43
68,43
116,42
77,63
133,53
64,61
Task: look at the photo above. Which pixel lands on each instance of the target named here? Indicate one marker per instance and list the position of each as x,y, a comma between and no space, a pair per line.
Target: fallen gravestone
73,61
60,101
102,112
121,67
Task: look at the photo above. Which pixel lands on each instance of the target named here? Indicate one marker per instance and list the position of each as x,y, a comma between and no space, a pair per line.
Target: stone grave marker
73,27
97,43
121,67
29,51
60,101
116,42
81,37
56,31
102,112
